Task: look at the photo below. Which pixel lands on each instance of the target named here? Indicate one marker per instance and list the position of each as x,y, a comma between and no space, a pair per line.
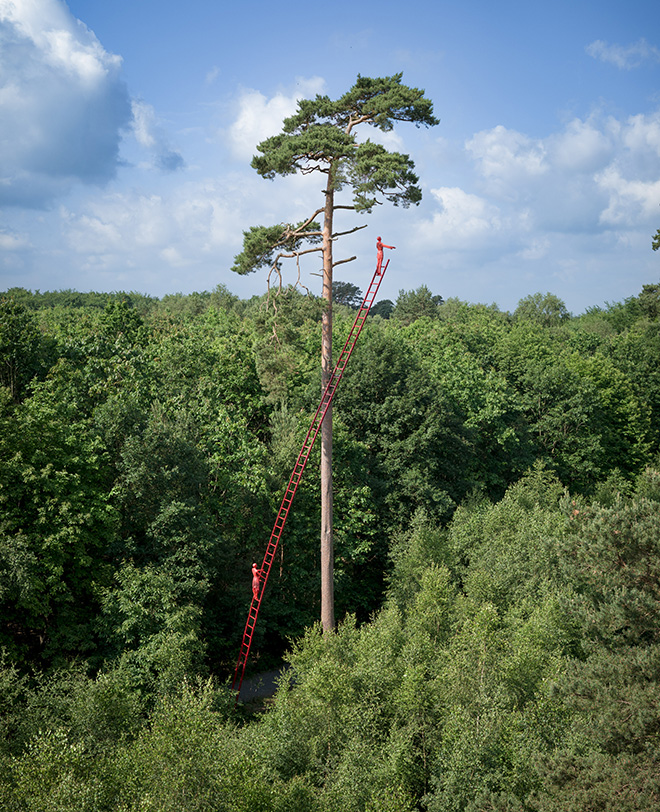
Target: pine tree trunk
327,546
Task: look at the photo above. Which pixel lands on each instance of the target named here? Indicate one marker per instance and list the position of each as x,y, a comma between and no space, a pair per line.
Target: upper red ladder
298,468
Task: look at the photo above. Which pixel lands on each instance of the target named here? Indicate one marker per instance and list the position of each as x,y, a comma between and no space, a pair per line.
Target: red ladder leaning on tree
298,468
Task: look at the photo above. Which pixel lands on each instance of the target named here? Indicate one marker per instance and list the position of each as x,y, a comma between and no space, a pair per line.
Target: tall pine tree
321,137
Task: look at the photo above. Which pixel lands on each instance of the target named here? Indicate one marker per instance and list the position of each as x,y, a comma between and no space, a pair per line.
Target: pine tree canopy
321,137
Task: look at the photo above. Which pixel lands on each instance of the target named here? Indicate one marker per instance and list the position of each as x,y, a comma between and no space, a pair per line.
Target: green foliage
648,484
281,348
500,674
412,553
546,309
382,308
457,352
382,101
189,760
374,172
506,549
649,301
57,300
261,242
412,429
443,696
611,559
153,630
572,403
415,304
496,540
20,347
347,294
635,352
55,528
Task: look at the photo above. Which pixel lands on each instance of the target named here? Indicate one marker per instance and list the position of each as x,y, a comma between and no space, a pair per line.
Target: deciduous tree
413,304
347,293
19,347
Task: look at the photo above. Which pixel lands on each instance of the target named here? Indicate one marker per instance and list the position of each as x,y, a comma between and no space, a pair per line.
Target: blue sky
127,129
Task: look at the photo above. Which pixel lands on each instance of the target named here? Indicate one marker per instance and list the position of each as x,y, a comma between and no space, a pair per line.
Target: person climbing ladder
256,580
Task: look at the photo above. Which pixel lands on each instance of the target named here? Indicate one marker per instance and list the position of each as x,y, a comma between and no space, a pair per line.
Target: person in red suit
256,579
379,253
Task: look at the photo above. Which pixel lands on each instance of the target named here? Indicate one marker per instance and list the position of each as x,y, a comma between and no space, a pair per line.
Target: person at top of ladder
379,253
256,579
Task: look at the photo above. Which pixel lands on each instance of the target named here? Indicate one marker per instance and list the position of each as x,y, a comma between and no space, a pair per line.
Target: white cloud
64,43
183,227
525,197
506,157
12,241
625,57
630,200
514,202
150,135
259,117
462,220
604,169
581,147
173,257
641,135
537,248
64,107
62,103
143,121
391,140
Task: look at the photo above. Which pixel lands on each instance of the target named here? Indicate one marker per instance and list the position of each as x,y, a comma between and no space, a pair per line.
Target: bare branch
344,233
343,261
299,253
298,281
275,269
310,219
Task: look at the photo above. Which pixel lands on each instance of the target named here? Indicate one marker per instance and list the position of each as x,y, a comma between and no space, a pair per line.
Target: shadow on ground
261,686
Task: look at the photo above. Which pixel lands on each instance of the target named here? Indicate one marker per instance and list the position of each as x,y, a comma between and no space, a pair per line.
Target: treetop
379,102
320,137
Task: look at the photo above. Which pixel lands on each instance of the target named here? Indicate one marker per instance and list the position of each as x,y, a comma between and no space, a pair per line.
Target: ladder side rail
298,470
353,336
358,324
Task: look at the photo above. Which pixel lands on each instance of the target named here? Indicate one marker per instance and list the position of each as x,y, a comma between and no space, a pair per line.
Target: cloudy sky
127,130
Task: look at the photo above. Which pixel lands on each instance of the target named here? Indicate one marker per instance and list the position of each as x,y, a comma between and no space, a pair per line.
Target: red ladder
298,468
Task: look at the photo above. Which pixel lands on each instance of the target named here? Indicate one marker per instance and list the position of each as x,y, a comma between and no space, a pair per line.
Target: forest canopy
497,515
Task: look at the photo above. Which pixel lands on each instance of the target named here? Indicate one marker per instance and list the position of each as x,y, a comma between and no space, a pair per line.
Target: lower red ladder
297,473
